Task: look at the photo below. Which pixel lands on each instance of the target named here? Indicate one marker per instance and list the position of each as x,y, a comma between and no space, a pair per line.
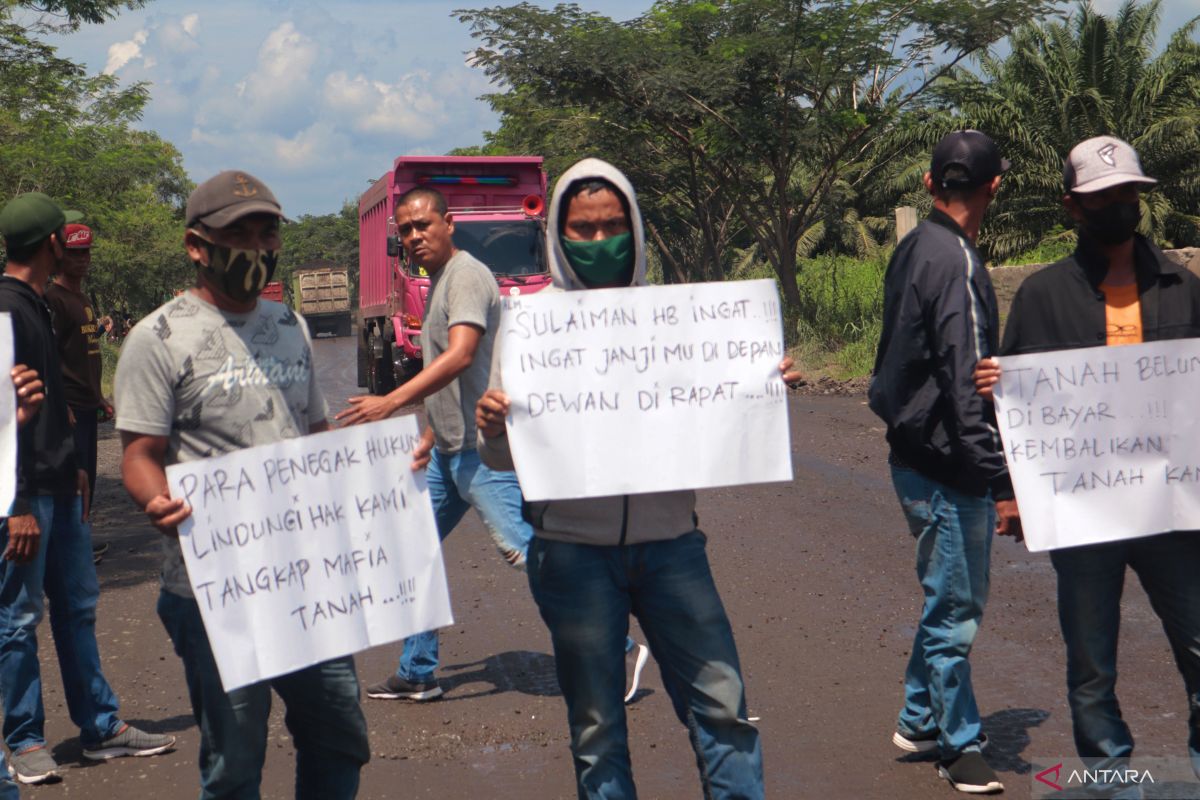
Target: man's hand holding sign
656,388
308,549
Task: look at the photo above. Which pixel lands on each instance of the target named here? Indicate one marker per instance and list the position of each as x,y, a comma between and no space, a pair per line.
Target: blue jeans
953,533
64,572
8,786
323,715
457,482
585,594
1090,581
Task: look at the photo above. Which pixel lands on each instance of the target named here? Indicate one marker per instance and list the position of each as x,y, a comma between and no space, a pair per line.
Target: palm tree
1063,82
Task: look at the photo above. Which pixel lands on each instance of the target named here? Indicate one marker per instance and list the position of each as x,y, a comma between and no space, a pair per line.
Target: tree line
775,130
758,132
72,135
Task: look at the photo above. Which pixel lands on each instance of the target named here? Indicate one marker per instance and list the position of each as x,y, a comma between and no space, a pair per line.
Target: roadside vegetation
767,138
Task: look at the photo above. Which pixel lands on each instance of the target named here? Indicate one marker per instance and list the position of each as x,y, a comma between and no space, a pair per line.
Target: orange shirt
1122,314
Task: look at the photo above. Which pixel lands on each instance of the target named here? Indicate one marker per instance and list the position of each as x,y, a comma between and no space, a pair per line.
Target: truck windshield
512,248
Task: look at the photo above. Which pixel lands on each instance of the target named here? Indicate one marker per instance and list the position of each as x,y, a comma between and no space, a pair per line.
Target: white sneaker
643,655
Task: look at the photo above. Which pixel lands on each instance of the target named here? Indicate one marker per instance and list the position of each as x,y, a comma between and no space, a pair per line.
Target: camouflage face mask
239,274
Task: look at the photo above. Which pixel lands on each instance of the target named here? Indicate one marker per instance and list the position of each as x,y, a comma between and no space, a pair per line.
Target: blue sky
317,98
313,97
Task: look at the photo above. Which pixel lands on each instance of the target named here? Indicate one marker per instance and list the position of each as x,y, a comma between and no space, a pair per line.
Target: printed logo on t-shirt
262,371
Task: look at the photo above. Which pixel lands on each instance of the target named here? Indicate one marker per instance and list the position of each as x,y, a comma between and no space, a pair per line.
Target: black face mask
240,274
1115,223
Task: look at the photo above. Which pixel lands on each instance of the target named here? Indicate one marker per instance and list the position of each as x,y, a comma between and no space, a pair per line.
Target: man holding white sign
1117,288
215,370
595,560
458,332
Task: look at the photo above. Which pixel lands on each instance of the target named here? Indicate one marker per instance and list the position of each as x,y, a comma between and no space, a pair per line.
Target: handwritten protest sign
648,389
1103,443
311,548
8,418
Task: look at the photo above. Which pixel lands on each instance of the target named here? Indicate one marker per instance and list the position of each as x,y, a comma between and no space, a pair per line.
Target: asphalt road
818,579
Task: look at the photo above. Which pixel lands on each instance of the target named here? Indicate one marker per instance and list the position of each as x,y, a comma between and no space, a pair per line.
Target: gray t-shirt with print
462,292
212,382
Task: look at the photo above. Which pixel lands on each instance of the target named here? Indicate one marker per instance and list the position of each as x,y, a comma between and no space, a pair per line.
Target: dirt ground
817,576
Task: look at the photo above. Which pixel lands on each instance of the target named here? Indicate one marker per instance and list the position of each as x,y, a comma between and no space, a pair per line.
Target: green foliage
1054,247
1064,82
109,353
839,315
332,237
841,297
741,122
70,135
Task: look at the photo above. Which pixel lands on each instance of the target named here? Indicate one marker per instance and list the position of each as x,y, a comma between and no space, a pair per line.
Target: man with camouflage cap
215,370
52,499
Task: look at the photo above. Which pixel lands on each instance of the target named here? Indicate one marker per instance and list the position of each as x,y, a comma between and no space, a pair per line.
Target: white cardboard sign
8,418
645,389
311,548
1103,443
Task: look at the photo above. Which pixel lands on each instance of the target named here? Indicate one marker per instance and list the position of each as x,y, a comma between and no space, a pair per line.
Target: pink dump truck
499,206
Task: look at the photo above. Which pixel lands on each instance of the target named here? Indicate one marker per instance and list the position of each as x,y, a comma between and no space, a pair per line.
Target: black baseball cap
229,196
974,157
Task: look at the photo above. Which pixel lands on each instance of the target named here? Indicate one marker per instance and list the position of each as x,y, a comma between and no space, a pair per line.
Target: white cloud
406,107
121,53
189,24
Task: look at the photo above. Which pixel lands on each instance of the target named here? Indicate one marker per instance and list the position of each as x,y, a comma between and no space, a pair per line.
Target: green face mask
601,262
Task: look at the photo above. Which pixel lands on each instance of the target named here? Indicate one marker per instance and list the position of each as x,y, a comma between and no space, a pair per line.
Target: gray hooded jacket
621,519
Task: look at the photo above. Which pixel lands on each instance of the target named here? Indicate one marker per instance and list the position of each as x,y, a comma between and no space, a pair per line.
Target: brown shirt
78,346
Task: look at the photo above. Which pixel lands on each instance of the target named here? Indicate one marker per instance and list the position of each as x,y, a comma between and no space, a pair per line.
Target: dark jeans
1090,582
86,432
585,594
323,715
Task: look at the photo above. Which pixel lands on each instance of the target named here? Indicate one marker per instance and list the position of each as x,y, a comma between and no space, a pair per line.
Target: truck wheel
385,371
361,351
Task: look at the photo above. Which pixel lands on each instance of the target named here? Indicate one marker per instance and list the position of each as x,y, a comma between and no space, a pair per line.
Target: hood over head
561,272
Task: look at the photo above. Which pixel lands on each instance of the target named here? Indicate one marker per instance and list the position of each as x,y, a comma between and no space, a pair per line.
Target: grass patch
835,330
109,353
1051,249
840,314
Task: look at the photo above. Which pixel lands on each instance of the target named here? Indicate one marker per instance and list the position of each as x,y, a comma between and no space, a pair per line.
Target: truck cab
498,205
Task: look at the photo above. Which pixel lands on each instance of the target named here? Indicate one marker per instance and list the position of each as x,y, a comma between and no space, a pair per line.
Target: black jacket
939,319
45,446
1061,307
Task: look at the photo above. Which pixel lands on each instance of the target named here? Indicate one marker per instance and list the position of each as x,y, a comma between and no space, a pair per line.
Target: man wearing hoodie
594,561
458,331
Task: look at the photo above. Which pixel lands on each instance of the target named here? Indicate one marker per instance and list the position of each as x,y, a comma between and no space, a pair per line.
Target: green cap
29,218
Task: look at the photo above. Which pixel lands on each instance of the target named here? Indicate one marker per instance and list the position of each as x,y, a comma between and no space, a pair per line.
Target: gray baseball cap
1100,162
228,196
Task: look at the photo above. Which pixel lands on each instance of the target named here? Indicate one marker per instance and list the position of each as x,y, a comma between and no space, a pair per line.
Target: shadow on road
1008,736
521,671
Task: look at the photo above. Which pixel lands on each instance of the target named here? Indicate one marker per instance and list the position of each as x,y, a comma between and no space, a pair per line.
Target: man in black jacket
51,500
1116,288
939,320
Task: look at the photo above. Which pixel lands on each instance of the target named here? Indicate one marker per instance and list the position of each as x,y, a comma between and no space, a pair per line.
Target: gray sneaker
130,741
34,765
